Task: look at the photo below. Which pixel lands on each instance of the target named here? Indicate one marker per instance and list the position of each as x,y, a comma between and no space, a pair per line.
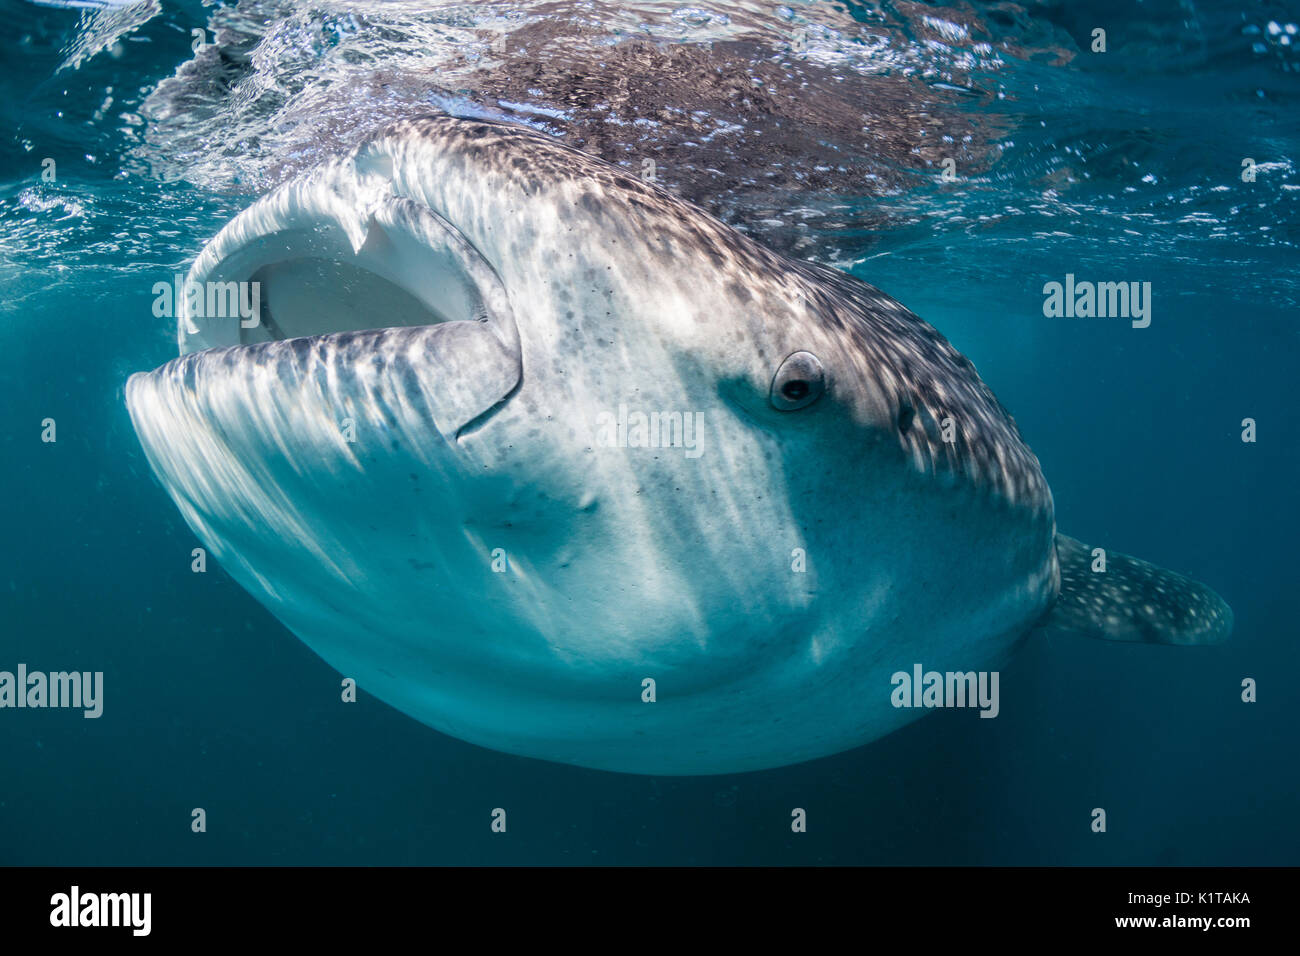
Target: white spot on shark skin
505,290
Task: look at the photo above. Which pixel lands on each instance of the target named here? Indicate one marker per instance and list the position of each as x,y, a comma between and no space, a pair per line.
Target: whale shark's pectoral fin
1121,598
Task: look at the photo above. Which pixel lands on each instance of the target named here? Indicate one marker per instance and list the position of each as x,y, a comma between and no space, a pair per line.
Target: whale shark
451,455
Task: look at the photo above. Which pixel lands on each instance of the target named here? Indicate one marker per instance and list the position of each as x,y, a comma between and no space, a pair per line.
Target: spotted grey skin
899,370
411,463
1132,600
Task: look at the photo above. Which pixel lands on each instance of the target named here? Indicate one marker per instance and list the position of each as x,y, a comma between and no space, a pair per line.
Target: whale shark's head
561,465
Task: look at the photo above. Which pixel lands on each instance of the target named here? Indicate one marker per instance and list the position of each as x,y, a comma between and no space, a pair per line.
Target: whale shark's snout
560,465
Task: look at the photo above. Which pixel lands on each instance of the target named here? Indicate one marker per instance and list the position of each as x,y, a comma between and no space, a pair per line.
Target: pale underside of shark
407,459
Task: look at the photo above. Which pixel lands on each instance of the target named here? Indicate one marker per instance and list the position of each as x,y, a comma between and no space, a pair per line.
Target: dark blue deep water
1125,165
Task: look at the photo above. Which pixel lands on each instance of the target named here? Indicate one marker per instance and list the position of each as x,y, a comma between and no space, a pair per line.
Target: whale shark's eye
799,382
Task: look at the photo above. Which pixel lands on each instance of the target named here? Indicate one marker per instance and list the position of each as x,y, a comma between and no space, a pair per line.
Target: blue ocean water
1125,165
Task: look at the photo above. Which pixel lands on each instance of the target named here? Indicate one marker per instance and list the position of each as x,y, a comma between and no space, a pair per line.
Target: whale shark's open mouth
339,252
